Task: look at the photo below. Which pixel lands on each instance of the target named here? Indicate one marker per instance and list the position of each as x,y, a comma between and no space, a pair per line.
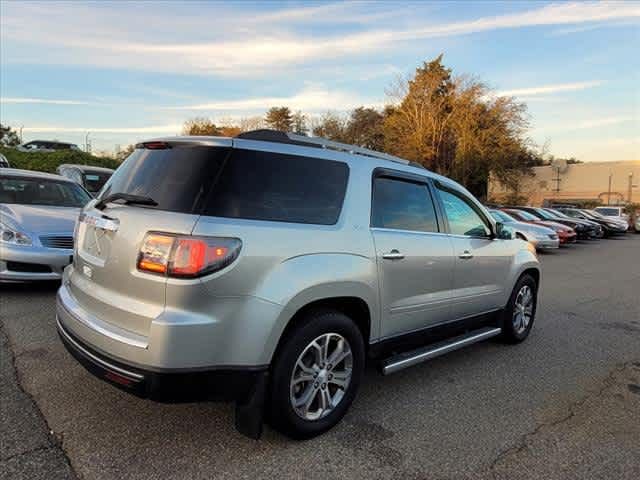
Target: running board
419,355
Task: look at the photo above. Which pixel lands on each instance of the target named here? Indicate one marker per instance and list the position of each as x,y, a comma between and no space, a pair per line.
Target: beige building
607,182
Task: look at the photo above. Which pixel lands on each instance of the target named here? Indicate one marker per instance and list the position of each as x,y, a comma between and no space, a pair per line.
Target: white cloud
588,123
105,37
547,89
168,129
313,98
44,101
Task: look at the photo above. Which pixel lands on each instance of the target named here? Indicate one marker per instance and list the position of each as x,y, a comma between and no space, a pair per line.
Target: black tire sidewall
508,332
281,413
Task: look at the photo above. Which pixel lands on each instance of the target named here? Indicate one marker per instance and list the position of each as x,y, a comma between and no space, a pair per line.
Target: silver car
38,212
266,268
540,237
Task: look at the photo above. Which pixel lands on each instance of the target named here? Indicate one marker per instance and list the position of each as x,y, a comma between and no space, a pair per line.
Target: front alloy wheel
523,309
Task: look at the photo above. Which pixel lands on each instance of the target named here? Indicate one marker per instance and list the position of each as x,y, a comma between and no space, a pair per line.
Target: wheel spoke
341,379
325,399
339,354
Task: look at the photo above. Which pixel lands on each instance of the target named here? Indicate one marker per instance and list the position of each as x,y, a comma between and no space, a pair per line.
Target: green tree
8,136
200,126
279,118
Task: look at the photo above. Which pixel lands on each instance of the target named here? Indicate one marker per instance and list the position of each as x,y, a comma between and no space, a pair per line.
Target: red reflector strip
114,377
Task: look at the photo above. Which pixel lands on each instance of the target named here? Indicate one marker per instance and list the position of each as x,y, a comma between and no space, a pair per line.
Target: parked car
266,267
609,226
617,212
636,225
46,146
542,238
598,230
38,212
583,230
4,163
566,234
90,177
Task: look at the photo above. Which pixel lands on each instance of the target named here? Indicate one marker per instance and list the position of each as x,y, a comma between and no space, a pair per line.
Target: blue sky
128,71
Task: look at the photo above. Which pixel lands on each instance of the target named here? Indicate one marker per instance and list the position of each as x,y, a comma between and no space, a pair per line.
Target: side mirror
503,232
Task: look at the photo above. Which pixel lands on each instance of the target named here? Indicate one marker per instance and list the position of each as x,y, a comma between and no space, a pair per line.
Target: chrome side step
419,355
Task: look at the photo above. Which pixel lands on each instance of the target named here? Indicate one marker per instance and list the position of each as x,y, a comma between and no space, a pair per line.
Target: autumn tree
200,126
330,126
457,127
251,123
8,136
279,118
365,128
299,121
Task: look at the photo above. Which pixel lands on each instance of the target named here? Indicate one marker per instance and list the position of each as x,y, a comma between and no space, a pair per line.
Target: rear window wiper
126,198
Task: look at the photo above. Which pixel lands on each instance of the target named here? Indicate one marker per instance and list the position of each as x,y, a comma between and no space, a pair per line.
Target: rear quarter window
278,187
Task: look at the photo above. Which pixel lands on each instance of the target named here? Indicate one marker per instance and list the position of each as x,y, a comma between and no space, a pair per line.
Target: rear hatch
105,281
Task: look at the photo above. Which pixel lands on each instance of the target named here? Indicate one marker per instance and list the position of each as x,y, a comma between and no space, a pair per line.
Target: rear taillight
186,256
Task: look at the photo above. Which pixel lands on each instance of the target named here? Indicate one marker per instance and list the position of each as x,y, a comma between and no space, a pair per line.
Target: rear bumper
187,385
55,259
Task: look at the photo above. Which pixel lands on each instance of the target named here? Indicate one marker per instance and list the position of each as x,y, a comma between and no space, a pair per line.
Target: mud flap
250,411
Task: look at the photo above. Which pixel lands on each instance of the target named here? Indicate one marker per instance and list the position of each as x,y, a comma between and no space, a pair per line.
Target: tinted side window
463,218
284,188
402,205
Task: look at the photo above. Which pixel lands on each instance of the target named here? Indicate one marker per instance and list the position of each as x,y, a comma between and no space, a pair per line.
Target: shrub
49,161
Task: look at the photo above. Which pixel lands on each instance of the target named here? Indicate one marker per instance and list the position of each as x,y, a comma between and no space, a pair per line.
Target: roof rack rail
319,142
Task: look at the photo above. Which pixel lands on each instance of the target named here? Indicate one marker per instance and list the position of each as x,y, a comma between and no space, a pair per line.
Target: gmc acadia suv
266,268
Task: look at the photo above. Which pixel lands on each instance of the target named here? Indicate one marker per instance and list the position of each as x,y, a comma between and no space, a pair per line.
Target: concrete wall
583,181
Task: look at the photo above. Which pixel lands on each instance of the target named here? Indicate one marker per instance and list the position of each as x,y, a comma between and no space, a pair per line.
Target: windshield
557,213
42,191
94,181
502,216
593,213
544,214
526,216
610,212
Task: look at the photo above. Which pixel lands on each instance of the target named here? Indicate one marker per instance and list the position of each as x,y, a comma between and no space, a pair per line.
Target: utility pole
557,180
21,127
87,145
609,191
630,187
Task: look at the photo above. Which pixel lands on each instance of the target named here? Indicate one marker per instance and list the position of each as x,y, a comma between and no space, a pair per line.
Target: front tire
521,310
316,374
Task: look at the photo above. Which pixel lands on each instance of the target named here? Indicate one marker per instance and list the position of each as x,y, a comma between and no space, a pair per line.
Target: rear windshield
237,183
41,191
94,181
612,212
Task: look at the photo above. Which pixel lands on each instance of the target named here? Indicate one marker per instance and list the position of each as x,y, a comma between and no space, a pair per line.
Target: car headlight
12,236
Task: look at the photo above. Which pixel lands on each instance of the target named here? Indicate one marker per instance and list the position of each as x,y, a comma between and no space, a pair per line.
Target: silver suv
266,268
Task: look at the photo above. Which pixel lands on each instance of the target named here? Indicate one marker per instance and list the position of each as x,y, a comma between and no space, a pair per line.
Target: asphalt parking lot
564,404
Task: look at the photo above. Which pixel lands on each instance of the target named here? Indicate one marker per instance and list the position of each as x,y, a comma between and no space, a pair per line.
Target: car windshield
593,213
502,216
526,216
610,212
41,191
93,181
589,214
544,214
557,213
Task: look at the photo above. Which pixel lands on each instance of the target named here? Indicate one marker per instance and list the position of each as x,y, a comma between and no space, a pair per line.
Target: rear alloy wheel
321,376
316,374
521,310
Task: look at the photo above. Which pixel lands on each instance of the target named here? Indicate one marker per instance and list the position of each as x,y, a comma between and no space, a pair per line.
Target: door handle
393,255
466,255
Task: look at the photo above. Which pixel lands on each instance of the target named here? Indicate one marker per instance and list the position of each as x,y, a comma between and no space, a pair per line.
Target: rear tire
316,374
520,311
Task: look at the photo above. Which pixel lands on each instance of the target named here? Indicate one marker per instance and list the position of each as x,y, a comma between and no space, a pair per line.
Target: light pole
87,147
